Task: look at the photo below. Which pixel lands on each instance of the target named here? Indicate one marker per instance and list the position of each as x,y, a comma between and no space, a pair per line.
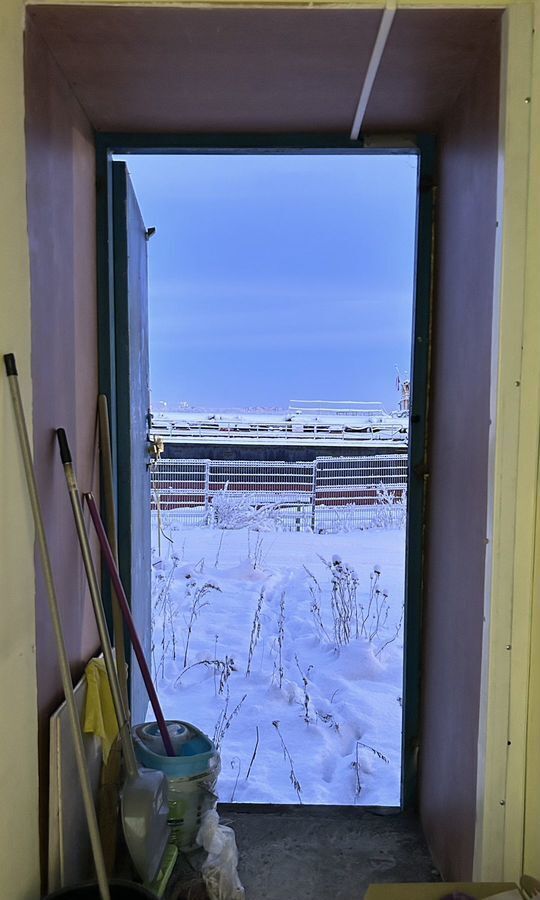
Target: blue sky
278,277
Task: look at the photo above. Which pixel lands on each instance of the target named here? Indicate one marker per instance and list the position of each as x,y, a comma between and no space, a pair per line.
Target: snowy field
286,648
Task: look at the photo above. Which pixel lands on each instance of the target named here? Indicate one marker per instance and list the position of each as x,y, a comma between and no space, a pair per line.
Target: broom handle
95,594
108,492
124,605
86,789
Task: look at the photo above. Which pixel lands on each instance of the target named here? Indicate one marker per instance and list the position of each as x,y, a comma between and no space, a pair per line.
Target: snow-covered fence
300,426
350,491
186,487
328,494
357,408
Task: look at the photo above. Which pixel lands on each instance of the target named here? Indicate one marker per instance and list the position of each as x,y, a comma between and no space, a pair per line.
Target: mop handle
95,595
128,618
86,789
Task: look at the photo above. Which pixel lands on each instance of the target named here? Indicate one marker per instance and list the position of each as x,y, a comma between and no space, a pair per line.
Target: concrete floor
321,853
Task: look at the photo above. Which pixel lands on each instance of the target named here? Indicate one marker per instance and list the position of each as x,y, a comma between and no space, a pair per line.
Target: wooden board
70,859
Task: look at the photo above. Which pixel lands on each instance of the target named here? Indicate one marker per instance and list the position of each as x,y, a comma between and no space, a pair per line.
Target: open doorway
279,525
440,76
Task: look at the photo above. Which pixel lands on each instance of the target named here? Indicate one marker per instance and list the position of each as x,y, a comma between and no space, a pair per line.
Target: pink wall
61,210
456,514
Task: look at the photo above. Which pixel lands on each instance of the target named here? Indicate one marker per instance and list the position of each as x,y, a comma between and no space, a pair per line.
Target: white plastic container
189,799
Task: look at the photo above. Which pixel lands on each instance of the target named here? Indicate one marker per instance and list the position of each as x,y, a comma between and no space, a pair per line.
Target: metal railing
328,494
357,408
298,430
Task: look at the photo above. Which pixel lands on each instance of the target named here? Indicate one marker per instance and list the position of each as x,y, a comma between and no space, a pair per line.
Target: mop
144,804
84,778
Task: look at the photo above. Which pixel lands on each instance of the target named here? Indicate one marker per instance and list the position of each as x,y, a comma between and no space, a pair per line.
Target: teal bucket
191,774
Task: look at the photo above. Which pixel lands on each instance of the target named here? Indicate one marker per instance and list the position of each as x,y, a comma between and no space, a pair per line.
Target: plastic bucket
191,775
120,890
189,799
195,754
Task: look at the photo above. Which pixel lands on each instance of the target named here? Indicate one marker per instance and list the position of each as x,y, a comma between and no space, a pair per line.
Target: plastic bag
219,868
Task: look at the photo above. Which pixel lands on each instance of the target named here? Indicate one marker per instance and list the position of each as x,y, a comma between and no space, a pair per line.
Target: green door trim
418,468
424,147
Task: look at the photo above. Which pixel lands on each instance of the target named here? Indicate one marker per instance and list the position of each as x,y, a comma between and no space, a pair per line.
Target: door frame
424,147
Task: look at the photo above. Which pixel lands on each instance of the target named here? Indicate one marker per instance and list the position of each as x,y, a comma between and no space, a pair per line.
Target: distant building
405,396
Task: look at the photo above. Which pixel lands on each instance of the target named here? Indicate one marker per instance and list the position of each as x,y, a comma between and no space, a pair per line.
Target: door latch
156,446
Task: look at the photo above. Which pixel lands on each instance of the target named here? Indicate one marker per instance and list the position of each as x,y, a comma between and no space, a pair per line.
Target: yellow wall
19,871
505,787
373,4
532,784
511,563
532,802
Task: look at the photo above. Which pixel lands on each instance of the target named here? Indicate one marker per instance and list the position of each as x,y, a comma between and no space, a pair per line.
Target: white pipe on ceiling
373,67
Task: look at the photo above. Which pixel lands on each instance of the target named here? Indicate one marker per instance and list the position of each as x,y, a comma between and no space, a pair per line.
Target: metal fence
328,494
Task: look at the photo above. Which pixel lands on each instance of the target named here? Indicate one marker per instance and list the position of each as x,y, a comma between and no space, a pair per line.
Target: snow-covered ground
254,635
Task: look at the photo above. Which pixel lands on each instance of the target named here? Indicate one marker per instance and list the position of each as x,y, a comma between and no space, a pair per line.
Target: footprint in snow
328,767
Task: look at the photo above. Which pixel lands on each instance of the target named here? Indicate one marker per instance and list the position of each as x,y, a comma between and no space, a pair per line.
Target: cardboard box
436,890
